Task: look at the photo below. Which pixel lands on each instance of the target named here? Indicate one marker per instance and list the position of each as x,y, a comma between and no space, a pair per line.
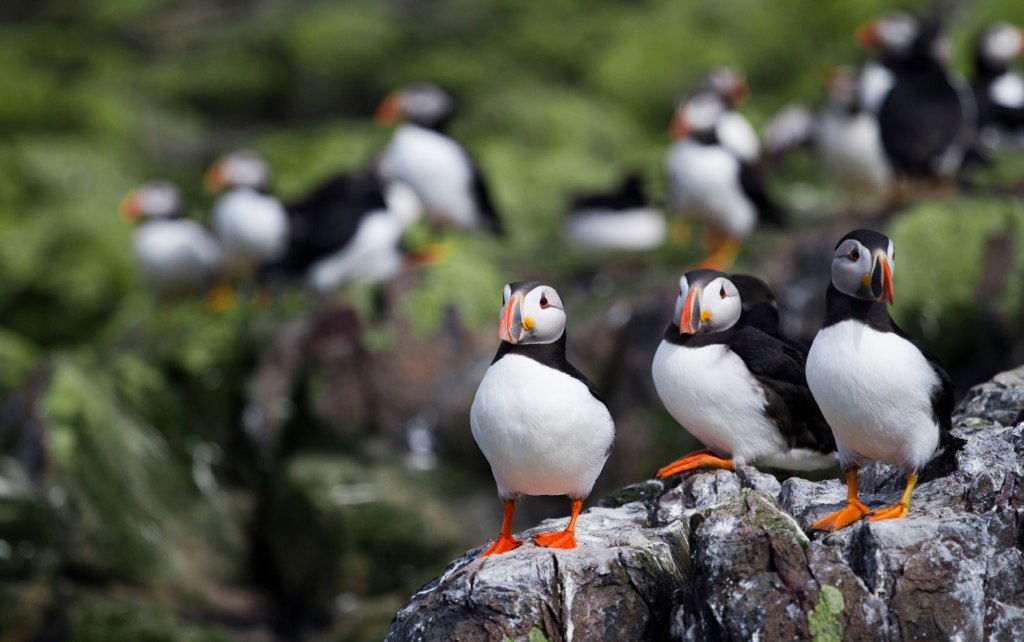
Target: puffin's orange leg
504,542
900,509
699,459
220,298
848,514
721,251
561,539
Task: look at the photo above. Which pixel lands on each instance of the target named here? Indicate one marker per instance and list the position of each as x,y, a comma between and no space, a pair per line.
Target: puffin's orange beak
690,318
215,177
510,328
389,109
678,128
866,34
129,207
881,279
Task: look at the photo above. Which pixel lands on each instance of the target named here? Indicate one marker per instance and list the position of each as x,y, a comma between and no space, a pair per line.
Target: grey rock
729,555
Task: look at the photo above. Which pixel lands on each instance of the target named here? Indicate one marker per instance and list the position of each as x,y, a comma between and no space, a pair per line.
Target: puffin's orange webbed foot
503,544
845,516
555,539
699,459
888,512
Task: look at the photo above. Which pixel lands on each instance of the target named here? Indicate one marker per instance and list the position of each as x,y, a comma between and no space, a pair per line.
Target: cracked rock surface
728,555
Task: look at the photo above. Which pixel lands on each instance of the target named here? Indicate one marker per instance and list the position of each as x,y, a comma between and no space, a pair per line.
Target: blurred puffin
434,165
927,116
622,219
252,225
885,396
710,181
346,230
176,255
998,88
541,424
733,129
845,136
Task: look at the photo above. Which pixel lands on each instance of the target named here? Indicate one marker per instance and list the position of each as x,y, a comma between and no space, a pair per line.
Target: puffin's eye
544,301
721,293
854,255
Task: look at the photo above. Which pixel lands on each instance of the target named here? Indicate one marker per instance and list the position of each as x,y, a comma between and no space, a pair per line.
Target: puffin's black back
629,194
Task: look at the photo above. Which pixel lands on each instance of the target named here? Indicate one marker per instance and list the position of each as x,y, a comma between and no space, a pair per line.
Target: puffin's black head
708,301
531,312
697,115
863,266
728,83
423,103
996,47
240,168
153,199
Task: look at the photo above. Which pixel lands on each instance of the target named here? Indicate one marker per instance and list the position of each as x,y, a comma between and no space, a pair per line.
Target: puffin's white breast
713,395
372,255
874,83
253,227
874,389
1008,90
541,430
437,169
850,146
736,134
640,228
703,181
176,255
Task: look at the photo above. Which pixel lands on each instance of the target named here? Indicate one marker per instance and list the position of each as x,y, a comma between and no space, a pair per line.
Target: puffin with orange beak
740,391
540,423
883,394
437,168
175,254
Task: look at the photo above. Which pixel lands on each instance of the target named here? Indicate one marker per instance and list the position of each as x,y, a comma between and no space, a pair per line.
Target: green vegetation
821,621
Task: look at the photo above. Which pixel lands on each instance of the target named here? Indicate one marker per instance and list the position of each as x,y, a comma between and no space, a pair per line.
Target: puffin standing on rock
738,390
541,424
884,395
433,164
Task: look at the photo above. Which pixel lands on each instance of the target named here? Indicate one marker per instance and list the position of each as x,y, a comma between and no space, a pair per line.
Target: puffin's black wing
779,368
327,218
920,119
943,396
752,184
629,194
482,197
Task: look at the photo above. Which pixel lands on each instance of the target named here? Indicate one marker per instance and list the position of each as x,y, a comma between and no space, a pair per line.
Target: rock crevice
729,555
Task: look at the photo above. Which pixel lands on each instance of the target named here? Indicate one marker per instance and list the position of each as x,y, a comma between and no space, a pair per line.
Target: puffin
709,180
927,116
736,388
176,255
621,219
884,395
845,136
734,130
541,424
439,170
998,87
347,229
251,224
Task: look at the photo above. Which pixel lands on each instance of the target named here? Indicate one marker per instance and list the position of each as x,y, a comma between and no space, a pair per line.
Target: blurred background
284,465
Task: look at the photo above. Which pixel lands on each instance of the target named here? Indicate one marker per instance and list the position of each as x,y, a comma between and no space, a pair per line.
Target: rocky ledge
729,555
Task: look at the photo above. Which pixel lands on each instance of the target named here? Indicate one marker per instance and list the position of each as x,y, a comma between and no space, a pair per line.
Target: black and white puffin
738,390
709,180
541,424
733,129
621,219
927,116
347,230
884,395
845,136
998,87
432,163
252,225
176,255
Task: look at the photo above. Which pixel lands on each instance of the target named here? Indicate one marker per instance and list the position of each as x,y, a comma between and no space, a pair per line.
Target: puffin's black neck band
550,354
843,307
